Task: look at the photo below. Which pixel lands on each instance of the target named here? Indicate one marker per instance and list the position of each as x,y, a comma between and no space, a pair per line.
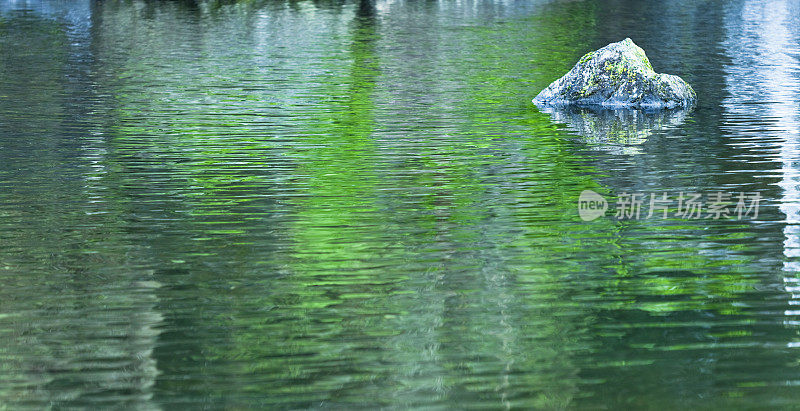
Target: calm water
328,204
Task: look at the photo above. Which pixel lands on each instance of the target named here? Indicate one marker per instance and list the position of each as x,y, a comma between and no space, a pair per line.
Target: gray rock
618,75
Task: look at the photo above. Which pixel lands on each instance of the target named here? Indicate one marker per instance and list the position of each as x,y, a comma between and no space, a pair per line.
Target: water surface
334,204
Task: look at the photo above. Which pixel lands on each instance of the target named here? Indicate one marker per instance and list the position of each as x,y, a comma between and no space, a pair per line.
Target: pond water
333,204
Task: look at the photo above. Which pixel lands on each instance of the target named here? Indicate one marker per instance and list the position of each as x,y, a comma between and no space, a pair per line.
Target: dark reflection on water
354,204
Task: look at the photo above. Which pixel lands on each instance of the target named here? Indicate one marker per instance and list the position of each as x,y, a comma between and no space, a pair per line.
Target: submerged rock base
618,75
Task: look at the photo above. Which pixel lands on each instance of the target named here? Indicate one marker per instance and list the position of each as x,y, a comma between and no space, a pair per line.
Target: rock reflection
617,131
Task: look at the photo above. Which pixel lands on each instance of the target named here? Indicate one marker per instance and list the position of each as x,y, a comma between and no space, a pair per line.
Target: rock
616,131
618,75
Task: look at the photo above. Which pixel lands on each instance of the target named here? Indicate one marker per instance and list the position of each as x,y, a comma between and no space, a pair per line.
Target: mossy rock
618,75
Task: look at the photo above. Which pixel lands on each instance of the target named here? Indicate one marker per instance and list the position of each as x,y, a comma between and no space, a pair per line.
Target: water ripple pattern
353,204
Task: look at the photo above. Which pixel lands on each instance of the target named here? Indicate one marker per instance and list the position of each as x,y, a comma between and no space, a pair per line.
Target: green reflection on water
314,204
